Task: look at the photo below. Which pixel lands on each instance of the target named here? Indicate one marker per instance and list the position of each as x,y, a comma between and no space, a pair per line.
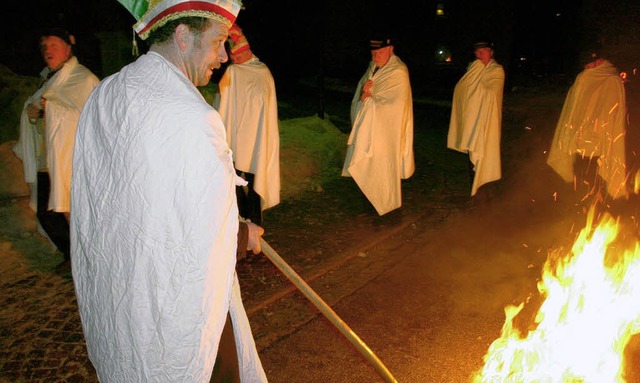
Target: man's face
484,54
55,51
381,56
205,53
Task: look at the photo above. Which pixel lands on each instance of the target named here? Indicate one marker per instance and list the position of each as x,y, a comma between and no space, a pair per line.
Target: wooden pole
327,311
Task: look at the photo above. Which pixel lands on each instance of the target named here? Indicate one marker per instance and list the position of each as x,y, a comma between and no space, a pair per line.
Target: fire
590,310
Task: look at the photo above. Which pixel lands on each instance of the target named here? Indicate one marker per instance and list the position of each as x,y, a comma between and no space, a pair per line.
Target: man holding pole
155,220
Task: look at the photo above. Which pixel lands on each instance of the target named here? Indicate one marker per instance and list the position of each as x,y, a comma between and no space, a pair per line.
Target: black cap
483,44
61,33
377,43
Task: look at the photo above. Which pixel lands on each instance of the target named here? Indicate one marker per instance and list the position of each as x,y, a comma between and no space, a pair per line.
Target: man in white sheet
249,109
155,221
380,146
591,130
476,117
47,132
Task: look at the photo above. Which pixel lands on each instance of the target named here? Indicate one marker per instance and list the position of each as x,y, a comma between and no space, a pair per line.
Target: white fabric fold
593,124
65,93
380,146
154,230
475,126
249,110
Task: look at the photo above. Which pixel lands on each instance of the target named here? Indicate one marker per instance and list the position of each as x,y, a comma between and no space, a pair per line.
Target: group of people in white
148,219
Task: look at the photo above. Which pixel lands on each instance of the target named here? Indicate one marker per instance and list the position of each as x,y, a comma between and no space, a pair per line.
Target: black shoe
64,268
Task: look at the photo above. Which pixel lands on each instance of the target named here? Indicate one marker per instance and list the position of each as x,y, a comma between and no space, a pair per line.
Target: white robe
65,92
476,120
380,146
593,124
154,230
249,110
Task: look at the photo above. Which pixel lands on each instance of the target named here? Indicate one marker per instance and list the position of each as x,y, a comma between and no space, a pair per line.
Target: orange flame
590,311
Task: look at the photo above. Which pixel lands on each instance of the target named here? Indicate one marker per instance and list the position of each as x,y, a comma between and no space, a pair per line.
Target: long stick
327,311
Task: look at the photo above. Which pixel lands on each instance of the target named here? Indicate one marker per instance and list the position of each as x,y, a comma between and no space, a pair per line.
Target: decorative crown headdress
152,14
237,40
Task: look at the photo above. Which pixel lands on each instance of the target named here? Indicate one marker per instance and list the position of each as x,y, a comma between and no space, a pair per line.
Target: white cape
248,106
66,93
380,151
476,120
154,230
593,124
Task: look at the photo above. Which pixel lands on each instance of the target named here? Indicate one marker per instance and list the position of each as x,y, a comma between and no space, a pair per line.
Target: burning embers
590,310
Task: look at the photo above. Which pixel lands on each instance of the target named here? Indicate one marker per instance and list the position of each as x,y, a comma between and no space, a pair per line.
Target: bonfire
589,312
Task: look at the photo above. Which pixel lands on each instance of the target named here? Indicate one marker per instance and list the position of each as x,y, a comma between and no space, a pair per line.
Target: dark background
317,41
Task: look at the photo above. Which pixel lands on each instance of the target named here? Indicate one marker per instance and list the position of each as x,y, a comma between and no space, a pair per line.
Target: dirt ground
429,298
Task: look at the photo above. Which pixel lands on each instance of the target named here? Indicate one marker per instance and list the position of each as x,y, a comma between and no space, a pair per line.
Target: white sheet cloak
154,225
249,110
476,120
380,146
593,124
65,92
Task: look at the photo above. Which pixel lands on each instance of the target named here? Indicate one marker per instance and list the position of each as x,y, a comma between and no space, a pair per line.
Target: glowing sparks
591,309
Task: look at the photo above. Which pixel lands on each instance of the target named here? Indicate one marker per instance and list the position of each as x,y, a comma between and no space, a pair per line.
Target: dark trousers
226,368
54,224
248,200
588,179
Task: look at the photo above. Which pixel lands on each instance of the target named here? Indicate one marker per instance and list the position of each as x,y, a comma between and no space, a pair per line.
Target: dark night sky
294,40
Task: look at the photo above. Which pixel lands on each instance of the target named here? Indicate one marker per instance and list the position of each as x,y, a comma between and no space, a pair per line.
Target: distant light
440,12
523,59
558,14
442,53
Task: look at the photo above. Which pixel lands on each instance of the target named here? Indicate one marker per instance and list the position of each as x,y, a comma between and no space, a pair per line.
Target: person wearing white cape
249,110
380,147
47,133
154,224
592,126
475,126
